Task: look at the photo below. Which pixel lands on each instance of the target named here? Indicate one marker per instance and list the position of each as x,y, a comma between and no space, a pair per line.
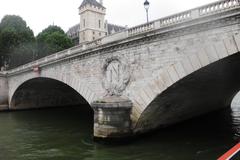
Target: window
99,23
84,22
100,34
84,36
93,33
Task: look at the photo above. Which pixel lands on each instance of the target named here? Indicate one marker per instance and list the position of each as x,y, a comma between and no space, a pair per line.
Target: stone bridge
149,76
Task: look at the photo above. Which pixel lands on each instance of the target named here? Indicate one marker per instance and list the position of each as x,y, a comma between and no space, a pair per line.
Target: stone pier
3,92
112,118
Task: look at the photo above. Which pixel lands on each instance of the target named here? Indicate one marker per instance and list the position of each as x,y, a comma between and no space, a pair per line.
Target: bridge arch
236,100
41,92
168,98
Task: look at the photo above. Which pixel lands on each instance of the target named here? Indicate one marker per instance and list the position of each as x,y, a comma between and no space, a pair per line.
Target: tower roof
91,2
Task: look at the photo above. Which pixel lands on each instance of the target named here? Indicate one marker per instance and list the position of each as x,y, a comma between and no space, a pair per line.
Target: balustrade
218,7
140,29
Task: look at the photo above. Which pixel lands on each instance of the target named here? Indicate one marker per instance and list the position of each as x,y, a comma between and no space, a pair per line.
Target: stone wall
3,92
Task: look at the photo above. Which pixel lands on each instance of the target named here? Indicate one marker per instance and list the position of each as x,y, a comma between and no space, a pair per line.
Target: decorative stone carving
116,76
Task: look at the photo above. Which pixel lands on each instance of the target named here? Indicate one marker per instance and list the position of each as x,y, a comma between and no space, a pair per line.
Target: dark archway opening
209,89
46,92
56,97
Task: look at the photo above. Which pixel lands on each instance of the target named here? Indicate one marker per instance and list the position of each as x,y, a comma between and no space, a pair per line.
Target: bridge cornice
176,25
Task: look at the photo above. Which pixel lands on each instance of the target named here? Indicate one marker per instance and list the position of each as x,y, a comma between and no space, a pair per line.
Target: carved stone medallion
115,76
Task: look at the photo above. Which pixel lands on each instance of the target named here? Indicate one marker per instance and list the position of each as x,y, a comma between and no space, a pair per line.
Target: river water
65,134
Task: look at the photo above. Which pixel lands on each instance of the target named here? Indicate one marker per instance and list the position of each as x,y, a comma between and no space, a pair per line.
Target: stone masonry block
237,40
187,65
195,61
180,70
211,53
166,78
147,98
221,49
150,92
173,74
85,90
139,100
88,94
90,98
231,46
154,87
203,57
160,84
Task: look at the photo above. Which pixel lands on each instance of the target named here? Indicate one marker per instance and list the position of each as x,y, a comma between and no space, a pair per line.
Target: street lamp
146,6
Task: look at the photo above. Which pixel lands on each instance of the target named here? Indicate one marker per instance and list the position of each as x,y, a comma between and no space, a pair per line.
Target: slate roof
91,2
74,29
111,28
114,27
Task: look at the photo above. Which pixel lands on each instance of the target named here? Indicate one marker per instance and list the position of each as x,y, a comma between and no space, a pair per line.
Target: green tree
51,40
14,34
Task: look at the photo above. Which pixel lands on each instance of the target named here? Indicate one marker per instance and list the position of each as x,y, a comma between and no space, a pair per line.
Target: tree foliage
19,46
51,40
14,34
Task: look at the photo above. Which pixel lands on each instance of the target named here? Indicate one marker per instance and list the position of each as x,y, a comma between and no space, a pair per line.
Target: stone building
92,23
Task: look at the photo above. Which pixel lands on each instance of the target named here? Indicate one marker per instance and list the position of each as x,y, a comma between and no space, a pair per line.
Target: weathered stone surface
112,117
3,92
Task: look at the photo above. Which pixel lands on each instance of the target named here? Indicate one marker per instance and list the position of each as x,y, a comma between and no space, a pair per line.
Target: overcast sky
40,13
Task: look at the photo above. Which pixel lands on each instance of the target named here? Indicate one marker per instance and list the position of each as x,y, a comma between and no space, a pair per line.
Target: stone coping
113,102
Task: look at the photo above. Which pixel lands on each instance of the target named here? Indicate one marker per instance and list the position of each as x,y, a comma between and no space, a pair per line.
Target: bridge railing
206,10
218,7
193,14
178,18
141,28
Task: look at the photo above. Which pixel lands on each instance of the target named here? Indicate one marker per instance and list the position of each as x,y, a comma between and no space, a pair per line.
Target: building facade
92,24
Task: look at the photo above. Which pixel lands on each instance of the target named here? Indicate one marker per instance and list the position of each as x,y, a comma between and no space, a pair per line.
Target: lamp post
146,6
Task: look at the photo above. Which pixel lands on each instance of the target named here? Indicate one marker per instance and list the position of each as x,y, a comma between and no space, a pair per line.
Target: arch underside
210,88
45,92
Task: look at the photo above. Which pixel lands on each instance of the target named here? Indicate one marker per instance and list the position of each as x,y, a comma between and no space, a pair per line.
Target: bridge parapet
217,7
200,12
141,28
163,23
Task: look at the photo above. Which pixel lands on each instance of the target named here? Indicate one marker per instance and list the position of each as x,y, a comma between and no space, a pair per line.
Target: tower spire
101,2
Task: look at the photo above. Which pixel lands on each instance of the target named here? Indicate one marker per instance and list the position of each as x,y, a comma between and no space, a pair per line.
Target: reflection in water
65,134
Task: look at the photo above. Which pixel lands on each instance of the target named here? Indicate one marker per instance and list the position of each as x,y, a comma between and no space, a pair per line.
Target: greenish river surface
66,134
